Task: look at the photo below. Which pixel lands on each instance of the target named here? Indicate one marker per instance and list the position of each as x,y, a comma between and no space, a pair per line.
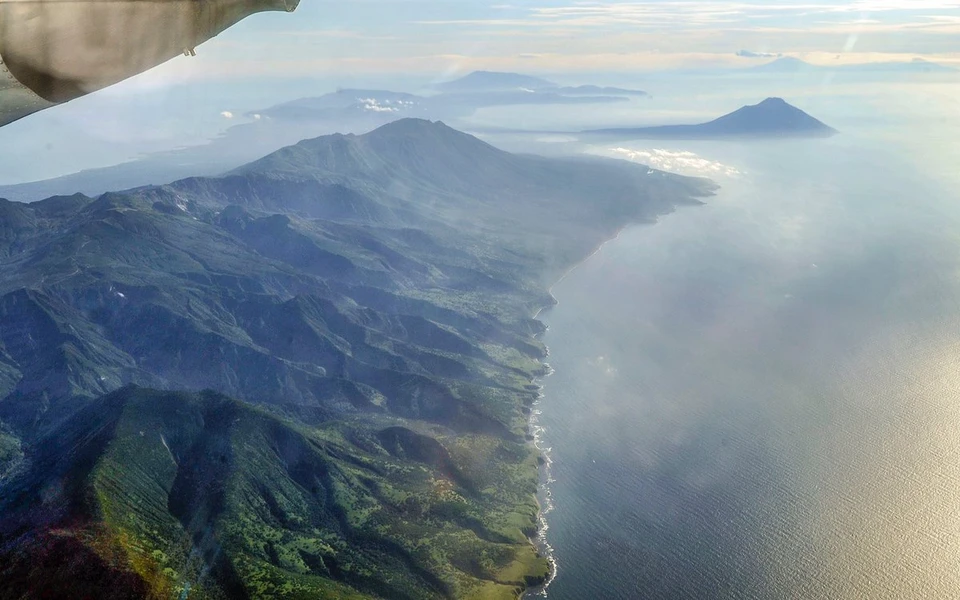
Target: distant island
790,64
773,117
486,81
494,81
598,90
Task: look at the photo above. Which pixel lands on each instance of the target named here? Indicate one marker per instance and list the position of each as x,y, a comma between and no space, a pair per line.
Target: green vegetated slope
170,490
360,307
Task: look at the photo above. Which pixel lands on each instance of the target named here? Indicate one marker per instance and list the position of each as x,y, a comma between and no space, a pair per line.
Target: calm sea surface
760,397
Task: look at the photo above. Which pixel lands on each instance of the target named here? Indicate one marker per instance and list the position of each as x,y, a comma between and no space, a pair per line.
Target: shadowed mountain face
366,299
771,118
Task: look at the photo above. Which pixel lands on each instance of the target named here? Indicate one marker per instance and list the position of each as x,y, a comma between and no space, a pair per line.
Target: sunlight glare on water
757,398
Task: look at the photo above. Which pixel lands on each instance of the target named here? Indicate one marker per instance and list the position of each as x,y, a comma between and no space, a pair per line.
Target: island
489,81
311,377
772,118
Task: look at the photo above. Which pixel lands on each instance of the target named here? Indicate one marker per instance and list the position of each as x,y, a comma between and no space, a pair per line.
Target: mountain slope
366,299
200,493
771,118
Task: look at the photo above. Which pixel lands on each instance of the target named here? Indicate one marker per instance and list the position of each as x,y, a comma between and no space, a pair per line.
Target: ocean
760,397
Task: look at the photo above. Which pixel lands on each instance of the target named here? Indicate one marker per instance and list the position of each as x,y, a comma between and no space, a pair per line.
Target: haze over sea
760,397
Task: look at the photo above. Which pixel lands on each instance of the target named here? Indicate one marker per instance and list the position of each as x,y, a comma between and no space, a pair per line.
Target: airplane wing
53,51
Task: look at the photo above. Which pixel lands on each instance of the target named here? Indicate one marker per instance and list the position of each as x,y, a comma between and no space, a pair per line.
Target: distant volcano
786,64
771,118
792,65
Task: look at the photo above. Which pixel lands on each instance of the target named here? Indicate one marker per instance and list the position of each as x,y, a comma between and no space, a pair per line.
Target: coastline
544,496
616,236
424,442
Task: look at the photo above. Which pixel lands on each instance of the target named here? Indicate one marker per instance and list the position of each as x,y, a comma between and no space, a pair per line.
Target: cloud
751,54
687,16
571,36
226,114
372,105
674,161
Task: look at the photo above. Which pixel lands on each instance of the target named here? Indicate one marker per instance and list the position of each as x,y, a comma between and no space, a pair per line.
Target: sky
449,36
406,45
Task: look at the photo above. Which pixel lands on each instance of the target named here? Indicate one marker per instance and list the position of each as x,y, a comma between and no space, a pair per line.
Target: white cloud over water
675,161
752,54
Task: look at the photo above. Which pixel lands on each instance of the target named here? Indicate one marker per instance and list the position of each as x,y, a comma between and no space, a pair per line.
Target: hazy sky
442,36
404,44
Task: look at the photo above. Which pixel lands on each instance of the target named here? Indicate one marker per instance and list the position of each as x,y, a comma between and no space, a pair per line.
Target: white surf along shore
537,430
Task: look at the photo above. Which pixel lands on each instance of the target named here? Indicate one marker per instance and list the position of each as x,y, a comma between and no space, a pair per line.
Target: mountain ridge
275,127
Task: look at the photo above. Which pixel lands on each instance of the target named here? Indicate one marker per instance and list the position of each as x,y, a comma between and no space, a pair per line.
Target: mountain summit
773,117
